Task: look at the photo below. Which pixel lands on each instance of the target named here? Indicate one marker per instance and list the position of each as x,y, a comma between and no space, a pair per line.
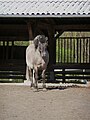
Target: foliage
21,43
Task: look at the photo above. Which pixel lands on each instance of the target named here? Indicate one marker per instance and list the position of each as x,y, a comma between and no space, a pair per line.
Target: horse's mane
39,38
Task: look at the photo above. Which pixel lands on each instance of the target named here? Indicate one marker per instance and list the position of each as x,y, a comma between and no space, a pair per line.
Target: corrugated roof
45,8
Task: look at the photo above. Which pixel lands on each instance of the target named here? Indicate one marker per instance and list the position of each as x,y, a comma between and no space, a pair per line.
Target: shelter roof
45,8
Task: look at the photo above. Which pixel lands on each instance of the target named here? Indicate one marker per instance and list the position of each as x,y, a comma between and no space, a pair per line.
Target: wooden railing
12,69
73,50
72,58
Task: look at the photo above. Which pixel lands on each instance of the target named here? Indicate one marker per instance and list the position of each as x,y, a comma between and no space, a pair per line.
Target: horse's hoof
32,88
44,89
36,90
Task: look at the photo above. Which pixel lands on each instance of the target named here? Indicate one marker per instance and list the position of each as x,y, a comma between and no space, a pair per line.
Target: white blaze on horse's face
42,47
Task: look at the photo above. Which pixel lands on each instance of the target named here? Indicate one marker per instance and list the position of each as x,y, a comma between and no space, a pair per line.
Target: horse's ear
36,42
46,38
47,41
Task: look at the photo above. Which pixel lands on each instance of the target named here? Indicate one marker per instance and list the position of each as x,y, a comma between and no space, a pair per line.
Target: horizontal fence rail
12,70
71,71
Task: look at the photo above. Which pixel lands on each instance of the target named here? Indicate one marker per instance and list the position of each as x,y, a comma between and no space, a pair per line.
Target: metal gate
72,58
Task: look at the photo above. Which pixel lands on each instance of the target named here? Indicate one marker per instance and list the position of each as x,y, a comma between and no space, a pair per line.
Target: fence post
52,52
63,76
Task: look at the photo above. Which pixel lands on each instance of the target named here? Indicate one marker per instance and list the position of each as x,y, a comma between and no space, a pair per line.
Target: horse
37,58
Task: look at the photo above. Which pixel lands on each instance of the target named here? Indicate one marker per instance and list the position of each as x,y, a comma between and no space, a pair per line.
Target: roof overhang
45,8
45,16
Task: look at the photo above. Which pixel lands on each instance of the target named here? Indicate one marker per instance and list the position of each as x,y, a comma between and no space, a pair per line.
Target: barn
21,21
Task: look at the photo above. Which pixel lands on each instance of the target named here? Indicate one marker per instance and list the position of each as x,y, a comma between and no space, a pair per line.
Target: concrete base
50,85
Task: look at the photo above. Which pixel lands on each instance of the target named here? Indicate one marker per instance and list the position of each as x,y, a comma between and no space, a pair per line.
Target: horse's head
40,38
42,47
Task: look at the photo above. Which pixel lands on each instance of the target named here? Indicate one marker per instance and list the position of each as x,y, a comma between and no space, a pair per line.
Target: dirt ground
22,103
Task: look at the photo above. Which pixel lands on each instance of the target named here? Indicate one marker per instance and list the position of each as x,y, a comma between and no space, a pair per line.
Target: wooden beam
13,30
52,51
30,31
13,26
52,45
43,25
14,38
78,27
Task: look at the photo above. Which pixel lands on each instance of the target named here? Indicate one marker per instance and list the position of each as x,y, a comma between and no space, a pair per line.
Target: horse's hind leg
27,73
29,76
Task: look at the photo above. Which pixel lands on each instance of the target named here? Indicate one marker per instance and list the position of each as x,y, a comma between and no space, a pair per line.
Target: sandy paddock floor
22,103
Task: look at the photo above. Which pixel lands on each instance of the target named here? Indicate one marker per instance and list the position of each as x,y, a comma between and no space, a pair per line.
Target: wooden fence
12,60
72,58
73,50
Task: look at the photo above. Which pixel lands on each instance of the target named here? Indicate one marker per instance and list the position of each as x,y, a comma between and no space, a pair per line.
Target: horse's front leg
33,78
36,78
43,77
